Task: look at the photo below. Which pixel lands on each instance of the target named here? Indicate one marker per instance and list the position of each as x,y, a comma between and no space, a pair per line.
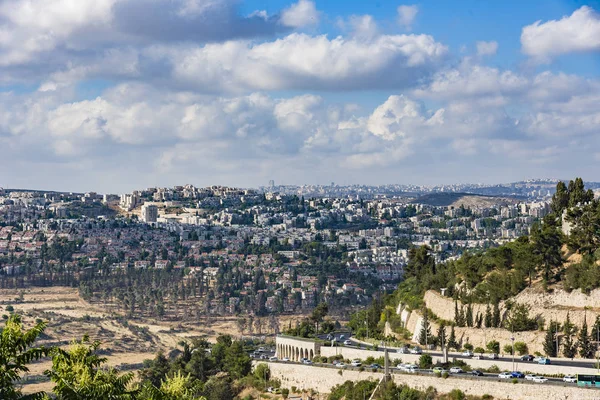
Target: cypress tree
569,330
469,315
550,339
425,335
441,336
452,343
496,316
586,347
488,316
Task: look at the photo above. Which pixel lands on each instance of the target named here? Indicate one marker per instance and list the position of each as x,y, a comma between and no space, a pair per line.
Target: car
270,389
529,377
537,359
416,350
347,343
544,360
504,375
329,337
540,379
356,363
261,349
438,370
272,358
401,367
264,357
307,362
476,372
517,374
285,359
456,370
342,337
341,365
467,353
493,356
527,357
403,350
303,359
477,357
570,379
375,366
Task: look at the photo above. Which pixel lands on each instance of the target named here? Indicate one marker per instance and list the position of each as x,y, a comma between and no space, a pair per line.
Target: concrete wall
323,379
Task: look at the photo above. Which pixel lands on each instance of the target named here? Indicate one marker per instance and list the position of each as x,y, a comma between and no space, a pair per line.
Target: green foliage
16,351
493,346
518,319
550,347
77,375
521,348
569,345
425,361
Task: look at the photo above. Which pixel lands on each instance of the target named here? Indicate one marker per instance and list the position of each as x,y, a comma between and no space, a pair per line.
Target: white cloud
363,26
407,15
299,61
578,32
301,14
487,48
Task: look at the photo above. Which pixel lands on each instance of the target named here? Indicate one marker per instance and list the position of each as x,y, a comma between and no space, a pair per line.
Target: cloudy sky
114,95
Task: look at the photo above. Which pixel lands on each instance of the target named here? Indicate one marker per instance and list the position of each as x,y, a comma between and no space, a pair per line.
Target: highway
486,376
522,364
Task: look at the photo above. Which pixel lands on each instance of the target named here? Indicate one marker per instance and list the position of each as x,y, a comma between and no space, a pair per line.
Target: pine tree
586,347
488,316
460,319
569,346
595,336
469,315
496,316
452,343
550,347
425,335
456,314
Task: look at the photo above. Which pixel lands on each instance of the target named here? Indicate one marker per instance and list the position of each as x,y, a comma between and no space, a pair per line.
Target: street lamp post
513,352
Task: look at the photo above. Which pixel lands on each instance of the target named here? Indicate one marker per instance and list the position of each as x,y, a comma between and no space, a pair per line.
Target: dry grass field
124,342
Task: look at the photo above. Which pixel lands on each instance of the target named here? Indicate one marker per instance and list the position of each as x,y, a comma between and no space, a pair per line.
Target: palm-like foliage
77,375
177,387
16,351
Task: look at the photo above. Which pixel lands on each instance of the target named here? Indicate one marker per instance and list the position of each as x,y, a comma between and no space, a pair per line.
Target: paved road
566,363
486,376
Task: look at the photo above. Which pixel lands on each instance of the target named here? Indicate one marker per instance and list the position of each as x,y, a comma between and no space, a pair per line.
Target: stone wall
323,379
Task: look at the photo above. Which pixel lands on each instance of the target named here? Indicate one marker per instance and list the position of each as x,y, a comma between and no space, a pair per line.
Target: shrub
456,394
294,389
493,346
445,375
285,392
515,380
468,346
9,308
507,349
521,348
425,361
479,350
494,369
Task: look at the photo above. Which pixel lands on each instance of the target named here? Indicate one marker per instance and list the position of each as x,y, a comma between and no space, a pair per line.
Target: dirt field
126,343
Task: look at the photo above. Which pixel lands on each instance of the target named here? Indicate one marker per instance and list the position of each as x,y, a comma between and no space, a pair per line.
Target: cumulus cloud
407,15
578,32
486,48
300,14
299,61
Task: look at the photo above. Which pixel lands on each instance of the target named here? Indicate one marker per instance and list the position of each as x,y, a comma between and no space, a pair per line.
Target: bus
588,380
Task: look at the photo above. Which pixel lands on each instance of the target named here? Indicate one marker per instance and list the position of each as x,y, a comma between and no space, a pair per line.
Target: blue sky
113,95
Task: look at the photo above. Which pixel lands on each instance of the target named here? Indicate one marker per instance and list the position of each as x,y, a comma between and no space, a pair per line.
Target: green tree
319,312
586,347
425,334
469,315
77,375
521,348
237,361
452,343
441,336
493,346
569,345
16,351
550,340
488,316
177,387
496,321
425,361
547,241
560,199
155,370
518,319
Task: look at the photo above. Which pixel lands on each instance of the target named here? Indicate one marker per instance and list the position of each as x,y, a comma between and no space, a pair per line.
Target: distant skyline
114,95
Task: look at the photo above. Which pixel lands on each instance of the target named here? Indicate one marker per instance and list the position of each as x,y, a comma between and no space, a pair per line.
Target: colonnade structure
295,348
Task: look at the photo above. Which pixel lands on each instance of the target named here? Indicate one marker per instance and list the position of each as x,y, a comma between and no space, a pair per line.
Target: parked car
307,362
356,363
504,375
540,379
517,374
570,379
341,365
477,357
529,377
347,343
537,359
375,366
527,357
476,372
493,356
261,349
403,350
285,359
439,370
467,353
456,370
544,361
273,359
416,350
